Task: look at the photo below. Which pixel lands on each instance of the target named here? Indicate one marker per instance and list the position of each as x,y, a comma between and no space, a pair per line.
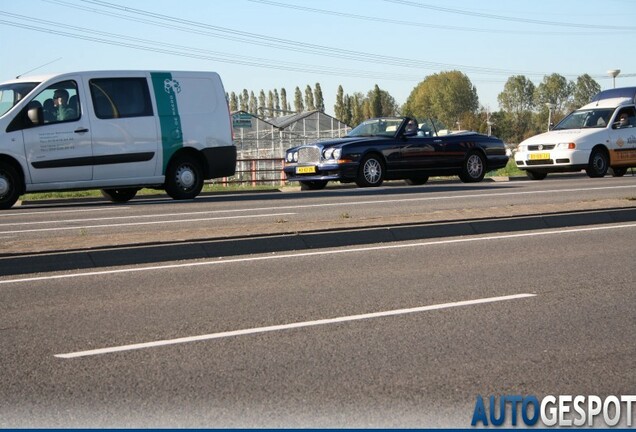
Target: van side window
120,97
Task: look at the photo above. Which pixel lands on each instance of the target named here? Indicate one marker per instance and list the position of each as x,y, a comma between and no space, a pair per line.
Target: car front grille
540,162
541,147
309,155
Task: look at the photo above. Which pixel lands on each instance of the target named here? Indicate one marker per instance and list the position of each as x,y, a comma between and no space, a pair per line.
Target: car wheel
184,178
473,169
536,175
120,195
10,186
618,172
313,184
598,164
371,172
416,181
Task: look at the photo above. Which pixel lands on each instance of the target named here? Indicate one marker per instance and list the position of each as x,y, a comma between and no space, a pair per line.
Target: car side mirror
35,115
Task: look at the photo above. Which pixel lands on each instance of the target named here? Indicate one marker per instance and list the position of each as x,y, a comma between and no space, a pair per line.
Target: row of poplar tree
450,97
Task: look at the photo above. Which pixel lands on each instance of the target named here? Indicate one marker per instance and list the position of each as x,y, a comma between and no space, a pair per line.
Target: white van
114,130
598,137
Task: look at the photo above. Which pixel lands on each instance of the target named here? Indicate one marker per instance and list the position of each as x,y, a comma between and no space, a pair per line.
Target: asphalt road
38,227
539,312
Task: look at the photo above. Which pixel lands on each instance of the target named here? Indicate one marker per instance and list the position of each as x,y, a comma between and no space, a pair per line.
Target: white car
599,137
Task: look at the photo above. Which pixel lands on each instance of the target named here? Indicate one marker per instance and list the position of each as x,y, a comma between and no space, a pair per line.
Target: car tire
416,181
313,184
598,164
10,186
120,195
618,172
184,178
473,168
536,175
371,172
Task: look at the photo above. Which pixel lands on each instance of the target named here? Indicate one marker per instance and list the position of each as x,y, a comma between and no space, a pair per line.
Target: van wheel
473,169
10,186
184,178
120,195
536,175
598,164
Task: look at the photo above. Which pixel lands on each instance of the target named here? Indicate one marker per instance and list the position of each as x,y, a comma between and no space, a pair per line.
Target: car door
623,138
124,130
59,149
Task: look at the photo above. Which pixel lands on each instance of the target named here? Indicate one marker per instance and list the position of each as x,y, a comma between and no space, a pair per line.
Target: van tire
599,163
10,186
120,195
184,178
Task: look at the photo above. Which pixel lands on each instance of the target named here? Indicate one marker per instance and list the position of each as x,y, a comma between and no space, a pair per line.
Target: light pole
613,73
550,106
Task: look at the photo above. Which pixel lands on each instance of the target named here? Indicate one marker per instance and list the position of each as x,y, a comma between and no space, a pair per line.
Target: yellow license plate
306,170
539,156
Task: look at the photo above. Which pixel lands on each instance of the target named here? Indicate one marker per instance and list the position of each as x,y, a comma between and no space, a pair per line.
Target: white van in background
597,137
117,131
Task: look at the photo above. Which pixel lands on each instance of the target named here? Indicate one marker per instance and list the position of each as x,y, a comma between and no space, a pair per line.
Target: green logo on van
166,89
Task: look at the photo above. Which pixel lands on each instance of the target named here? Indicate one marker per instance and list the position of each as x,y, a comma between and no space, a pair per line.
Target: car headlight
328,153
522,148
566,146
337,153
296,156
290,157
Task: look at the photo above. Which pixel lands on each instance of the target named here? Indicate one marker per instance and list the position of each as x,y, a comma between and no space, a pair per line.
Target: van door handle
81,130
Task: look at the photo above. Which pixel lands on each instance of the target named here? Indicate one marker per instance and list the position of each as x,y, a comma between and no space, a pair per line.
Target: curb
308,240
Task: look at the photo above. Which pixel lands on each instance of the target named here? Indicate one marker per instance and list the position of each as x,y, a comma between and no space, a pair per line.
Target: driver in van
60,101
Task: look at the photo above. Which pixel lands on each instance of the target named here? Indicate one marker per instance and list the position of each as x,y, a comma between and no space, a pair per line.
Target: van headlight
566,146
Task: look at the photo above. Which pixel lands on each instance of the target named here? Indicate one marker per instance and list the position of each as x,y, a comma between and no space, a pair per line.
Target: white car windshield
585,119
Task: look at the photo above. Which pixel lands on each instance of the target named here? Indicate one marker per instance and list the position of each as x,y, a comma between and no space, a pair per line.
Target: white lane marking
50,212
256,330
144,223
310,254
148,216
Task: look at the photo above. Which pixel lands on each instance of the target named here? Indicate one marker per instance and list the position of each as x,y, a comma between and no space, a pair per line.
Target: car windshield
386,127
586,119
11,94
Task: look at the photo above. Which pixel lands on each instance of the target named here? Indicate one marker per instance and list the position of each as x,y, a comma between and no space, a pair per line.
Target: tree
270,104
253,104
262,102
375,102
318,99
233,102
309,99
298,101
446,96
556,90
283,99
339,107
357,114
276,103
517,100
584,89
346,115
245,100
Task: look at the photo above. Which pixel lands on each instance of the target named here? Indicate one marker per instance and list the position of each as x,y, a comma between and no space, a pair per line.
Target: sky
271,44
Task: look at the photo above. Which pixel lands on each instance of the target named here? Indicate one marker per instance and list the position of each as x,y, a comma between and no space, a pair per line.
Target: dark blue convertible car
394,148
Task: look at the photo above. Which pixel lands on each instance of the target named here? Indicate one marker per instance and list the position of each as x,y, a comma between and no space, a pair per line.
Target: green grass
510,170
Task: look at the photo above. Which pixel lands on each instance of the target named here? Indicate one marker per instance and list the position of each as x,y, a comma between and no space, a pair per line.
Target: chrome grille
541,147
309,155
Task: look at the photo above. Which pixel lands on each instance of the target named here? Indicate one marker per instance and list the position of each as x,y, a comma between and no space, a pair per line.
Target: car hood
342,141
559,136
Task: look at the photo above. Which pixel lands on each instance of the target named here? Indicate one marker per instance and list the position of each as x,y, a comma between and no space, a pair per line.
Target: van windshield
585,119
11,94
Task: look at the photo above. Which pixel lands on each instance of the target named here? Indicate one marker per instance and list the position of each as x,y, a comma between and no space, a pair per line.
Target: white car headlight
566,146
290,157
295,157
328,153
336,153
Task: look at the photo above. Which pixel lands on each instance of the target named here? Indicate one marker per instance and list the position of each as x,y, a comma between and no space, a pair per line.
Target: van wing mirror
35,115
